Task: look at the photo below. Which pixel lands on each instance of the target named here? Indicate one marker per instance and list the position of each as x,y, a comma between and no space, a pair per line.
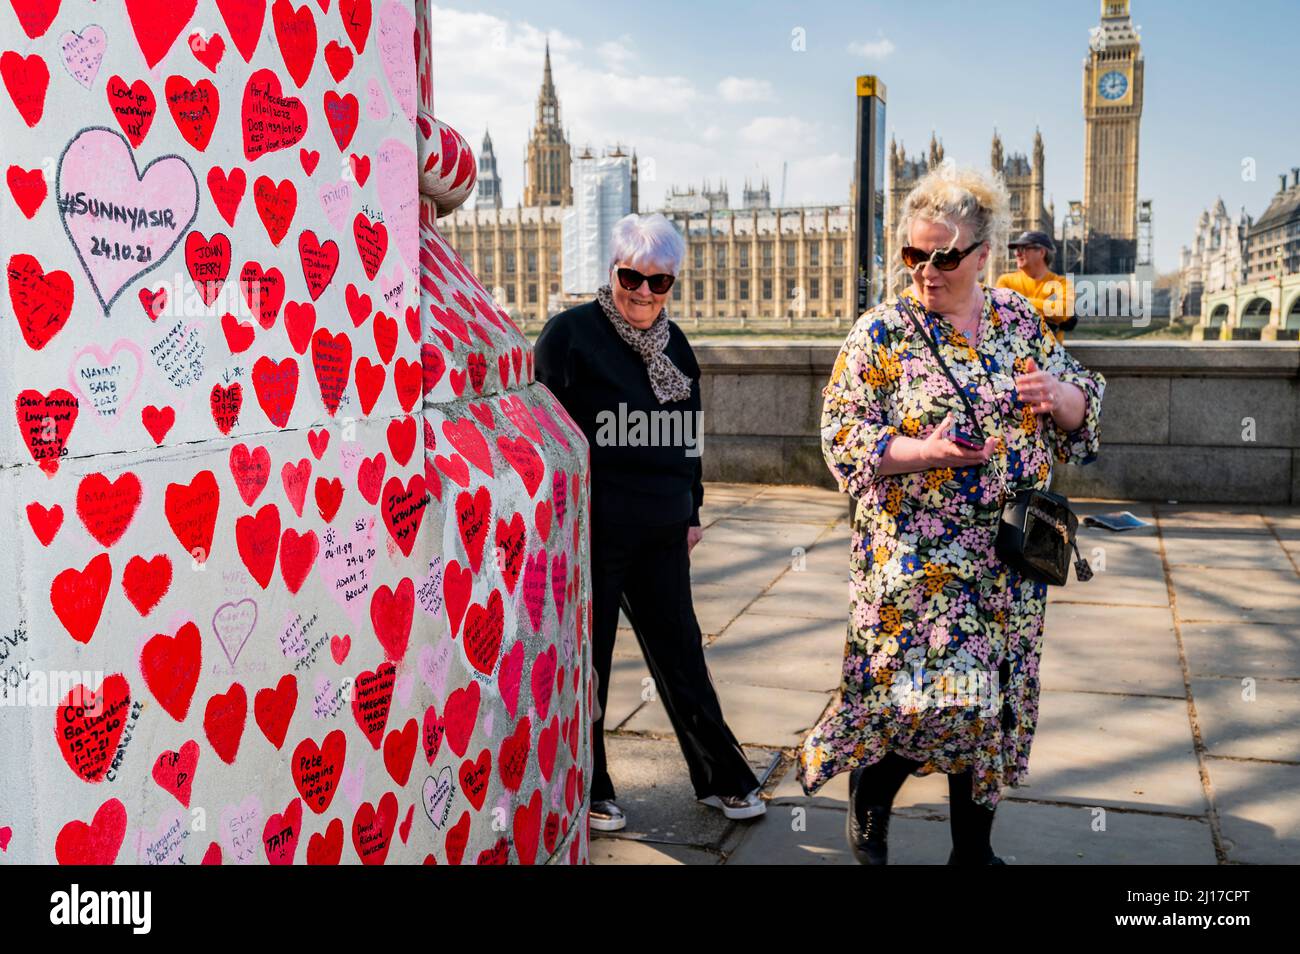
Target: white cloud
818,179
873,49
736,89
616,54
777,132
487,71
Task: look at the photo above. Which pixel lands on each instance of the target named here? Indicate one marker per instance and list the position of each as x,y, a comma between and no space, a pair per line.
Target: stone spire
488,191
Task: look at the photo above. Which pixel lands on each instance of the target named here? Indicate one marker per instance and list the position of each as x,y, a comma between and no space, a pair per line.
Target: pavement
1169,726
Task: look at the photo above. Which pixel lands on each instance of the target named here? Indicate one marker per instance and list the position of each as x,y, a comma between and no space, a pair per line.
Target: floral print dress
939,627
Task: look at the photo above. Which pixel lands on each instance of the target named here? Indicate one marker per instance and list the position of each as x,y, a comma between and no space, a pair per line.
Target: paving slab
1259,810
1262,650
792,509
654,790
780,652
1114,751
1114,732
1284,521
611,850
1035,834
1227,519
830,554
717,604
1127,570
1097,648
1257,596
757,715
1030,833
1257,721
629,685
803,492
1226,551
750,555
816,837
806,595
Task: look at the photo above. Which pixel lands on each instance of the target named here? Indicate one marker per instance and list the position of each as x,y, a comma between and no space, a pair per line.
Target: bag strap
934,347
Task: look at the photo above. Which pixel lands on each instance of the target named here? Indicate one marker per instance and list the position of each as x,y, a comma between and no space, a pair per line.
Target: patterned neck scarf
667,380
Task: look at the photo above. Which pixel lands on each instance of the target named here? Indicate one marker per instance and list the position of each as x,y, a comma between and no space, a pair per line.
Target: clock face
1112,85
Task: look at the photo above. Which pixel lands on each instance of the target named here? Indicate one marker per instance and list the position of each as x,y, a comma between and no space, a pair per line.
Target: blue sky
714,89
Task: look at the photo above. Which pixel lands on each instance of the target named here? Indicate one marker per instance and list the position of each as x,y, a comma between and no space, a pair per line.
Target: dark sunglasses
631,279
944,259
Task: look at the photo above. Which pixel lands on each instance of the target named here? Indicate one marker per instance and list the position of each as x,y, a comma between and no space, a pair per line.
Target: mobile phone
961,439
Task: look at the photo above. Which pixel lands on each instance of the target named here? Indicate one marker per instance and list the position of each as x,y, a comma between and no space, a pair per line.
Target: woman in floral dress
944,640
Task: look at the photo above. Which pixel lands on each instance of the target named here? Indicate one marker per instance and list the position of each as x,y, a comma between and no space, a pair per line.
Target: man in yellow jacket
1050,293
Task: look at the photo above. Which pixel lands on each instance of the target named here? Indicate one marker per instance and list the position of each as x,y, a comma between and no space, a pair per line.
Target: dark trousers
647,570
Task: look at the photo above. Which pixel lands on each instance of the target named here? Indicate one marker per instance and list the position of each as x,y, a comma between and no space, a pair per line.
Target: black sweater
582,360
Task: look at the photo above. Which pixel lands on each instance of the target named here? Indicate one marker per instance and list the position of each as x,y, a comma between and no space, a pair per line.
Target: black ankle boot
971,824
867,827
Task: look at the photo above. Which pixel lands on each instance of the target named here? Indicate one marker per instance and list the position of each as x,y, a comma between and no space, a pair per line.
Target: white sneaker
606,816
737,806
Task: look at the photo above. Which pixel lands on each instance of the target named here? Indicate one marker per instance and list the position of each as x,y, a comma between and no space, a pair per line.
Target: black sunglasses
631,279
944,259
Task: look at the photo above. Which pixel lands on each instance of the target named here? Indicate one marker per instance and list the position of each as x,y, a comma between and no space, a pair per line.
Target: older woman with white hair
622,369
944,638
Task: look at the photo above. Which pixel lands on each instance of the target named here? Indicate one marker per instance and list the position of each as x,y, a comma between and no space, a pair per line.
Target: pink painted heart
233,623
376,105
399,202
354,783
83,52
433,665
107,381
336,200
345,565
239,828
99,172
162,845
396,28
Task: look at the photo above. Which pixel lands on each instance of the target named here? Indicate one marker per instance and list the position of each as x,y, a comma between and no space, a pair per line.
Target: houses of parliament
759,264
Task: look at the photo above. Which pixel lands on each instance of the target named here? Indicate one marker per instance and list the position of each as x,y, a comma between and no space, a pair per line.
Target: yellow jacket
1053,297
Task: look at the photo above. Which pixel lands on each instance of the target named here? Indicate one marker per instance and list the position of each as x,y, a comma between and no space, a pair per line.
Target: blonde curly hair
957,196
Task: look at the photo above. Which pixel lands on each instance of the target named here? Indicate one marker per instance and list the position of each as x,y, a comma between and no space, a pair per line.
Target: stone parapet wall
1193,422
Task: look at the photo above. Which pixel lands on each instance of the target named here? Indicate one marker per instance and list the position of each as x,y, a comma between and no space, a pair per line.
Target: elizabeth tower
1112,110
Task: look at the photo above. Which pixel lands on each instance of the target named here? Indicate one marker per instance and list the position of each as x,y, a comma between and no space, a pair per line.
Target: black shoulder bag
1037,528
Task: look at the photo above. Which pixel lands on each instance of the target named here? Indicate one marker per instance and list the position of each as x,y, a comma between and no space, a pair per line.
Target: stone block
1211,410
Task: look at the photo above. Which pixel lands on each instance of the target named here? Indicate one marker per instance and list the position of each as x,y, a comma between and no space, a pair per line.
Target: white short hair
647,238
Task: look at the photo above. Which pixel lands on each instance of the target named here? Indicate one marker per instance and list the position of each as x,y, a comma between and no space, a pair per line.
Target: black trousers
647,570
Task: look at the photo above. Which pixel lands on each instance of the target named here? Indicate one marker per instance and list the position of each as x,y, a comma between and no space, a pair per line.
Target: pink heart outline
140,177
